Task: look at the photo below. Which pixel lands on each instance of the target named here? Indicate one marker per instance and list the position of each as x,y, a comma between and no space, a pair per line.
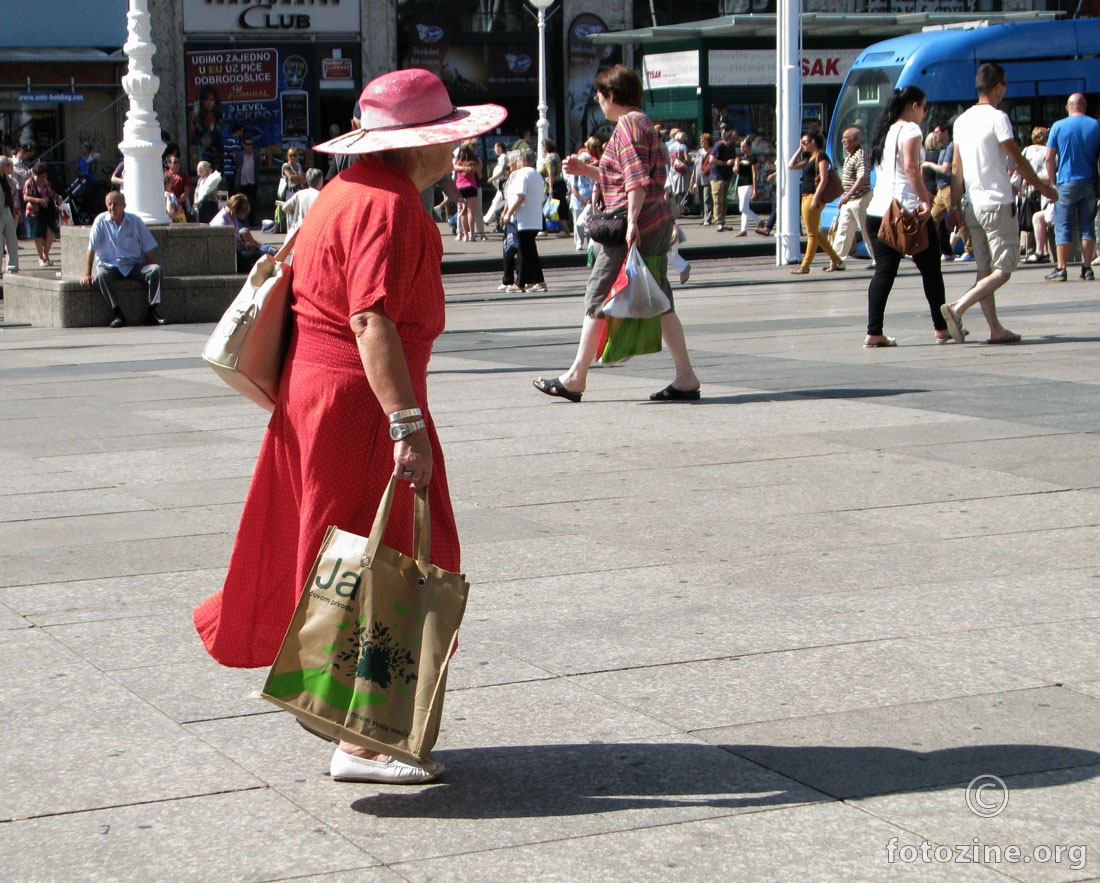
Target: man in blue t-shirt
1074,146
119,247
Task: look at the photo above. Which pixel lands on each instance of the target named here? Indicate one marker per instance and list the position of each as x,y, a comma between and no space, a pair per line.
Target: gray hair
530,158
203,167
315,178
514,156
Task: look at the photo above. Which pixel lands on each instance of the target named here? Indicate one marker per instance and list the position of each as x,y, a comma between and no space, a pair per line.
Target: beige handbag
248,347
365,658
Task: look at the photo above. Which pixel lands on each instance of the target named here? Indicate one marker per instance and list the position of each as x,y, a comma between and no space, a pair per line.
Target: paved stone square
771,635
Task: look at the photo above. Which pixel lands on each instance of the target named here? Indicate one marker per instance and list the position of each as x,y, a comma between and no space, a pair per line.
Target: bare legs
43,245
673,333
1088,250
575,378
982,293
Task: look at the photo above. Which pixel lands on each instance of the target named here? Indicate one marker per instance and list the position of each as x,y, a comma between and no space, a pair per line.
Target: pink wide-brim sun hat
411,108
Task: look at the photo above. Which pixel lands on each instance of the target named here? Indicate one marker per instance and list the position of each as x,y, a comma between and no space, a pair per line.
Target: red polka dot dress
327,456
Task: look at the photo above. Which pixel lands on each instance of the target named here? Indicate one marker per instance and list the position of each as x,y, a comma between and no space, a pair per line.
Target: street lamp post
141,147
543,126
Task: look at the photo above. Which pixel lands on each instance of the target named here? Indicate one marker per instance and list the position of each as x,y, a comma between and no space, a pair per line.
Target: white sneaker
502,287
964,257
349,768
536,287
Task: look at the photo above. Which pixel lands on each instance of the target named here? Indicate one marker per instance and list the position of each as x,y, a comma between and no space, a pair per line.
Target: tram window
868,93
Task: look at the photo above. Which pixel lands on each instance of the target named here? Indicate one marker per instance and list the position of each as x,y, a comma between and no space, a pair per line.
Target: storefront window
648,13
470,16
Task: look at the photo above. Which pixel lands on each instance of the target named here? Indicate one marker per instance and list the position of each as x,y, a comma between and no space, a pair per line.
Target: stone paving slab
148,594
830,841
908,747
684,618
125,752
1050,819
731,621
553,792
816,680
70,560
243,836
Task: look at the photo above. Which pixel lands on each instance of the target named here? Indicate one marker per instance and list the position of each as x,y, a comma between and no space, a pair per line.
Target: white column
788,114
141,146
543,126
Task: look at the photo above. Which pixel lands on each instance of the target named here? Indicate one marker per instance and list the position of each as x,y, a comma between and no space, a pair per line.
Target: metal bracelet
405,415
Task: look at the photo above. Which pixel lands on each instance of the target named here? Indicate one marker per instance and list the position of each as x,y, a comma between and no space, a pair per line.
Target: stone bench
200,281
64,303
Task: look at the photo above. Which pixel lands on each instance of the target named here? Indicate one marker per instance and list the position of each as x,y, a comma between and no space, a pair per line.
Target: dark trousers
511,258
529,265
887,262
249,190
105,276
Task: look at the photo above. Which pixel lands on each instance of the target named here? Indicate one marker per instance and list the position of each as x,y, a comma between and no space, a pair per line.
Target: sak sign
668,70
262,17
756,67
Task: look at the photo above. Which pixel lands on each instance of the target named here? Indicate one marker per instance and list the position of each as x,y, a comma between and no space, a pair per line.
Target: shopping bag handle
422,527
422,530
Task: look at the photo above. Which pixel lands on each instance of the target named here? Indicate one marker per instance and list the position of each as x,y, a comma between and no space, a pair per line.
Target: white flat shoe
349,768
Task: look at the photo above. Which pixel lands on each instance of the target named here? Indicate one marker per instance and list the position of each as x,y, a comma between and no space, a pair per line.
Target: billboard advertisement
264,89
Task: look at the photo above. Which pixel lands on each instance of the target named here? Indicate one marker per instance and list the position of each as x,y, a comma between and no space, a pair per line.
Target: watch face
397,431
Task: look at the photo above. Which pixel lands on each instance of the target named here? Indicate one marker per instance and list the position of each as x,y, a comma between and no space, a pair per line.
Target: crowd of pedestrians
983,199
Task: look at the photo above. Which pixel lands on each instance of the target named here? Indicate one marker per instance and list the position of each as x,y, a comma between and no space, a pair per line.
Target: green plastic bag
630,337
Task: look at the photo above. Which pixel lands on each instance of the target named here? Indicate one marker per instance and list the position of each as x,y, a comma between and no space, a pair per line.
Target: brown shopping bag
365,658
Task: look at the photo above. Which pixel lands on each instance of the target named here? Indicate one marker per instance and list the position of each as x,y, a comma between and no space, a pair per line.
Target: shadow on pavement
797,395
570,780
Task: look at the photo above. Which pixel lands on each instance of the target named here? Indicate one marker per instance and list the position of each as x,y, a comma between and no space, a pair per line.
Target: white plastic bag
636,294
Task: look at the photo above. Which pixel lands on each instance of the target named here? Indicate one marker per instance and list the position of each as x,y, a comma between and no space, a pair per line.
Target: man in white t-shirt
298,206
985,150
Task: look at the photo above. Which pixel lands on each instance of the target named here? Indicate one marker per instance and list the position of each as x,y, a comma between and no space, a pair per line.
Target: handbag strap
897,156
597,197
288,245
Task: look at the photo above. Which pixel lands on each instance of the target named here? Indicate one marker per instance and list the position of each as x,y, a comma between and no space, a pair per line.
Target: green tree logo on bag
377,656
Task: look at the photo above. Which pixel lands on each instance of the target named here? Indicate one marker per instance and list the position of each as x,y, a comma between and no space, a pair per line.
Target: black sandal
671,394
556,388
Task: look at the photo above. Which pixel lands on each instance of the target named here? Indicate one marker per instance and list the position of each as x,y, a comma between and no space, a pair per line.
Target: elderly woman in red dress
352,409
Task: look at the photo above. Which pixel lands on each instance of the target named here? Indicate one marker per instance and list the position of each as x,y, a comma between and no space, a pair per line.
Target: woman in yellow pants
811,160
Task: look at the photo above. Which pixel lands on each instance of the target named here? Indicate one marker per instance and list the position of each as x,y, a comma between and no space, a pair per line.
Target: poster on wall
265,90
473,71
586,60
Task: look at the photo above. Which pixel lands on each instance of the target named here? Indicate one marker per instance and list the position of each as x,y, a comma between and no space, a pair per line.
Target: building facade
289,71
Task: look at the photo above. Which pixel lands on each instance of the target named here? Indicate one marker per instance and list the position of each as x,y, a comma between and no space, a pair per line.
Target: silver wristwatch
399,431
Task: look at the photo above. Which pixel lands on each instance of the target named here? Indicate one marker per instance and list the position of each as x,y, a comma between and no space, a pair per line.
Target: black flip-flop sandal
671,394
556,388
